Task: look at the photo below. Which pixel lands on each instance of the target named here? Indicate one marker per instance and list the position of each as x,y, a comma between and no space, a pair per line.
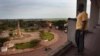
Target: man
81,25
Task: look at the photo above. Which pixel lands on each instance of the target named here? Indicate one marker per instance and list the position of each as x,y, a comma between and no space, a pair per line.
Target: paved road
61,41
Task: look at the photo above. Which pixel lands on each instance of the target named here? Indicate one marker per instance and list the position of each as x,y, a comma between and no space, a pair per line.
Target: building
92,39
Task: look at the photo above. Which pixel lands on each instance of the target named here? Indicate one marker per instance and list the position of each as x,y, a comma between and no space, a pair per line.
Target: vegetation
46,35
60,24
2,40
42,24
30,44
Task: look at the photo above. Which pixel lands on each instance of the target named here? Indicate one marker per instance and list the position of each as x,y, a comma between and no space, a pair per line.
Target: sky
13,9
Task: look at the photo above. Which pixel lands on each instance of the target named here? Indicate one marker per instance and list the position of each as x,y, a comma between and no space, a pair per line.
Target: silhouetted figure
81,25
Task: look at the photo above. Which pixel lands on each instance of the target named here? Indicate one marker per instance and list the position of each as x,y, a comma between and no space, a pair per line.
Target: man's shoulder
84,12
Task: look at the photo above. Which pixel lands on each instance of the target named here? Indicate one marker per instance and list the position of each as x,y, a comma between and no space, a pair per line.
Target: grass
46,36
30,44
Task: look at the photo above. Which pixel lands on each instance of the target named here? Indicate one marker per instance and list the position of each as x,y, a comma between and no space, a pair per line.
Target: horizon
37,19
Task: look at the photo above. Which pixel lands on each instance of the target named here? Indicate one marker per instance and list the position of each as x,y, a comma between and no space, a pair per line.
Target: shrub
46,36
30,44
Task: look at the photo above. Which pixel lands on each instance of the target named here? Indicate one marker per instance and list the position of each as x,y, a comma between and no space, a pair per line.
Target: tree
60,24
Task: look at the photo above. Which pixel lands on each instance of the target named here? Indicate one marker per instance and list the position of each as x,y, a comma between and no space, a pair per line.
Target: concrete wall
71,30
94,15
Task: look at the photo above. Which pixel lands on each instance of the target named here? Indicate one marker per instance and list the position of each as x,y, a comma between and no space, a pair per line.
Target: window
88,7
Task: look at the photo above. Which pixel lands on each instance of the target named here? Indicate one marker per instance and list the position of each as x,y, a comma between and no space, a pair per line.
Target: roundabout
24,44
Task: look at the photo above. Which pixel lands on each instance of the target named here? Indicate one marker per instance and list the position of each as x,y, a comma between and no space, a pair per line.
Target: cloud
37,8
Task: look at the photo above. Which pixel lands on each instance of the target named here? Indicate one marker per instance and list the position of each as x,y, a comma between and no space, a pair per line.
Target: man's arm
84,20
84,25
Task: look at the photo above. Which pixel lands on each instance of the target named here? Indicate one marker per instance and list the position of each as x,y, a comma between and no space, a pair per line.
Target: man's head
81,7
